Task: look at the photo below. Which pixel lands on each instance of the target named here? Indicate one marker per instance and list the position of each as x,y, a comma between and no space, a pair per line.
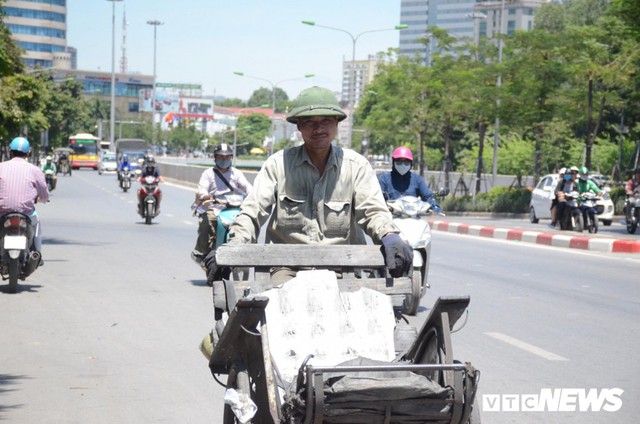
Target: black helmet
223,149
149,160
637,170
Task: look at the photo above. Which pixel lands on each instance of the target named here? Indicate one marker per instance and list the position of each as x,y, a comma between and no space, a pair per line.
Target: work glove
398,255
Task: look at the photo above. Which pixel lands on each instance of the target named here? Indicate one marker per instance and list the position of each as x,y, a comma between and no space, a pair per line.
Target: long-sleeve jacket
309,208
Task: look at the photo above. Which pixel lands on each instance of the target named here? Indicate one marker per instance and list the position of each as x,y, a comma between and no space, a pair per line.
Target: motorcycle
48,177
572,219
231,207
632,211
590,211
149,197
407,214
17,260
125,179
64,167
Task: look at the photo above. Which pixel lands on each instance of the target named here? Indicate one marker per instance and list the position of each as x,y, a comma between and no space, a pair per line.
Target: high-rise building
461,18
361,73
40,28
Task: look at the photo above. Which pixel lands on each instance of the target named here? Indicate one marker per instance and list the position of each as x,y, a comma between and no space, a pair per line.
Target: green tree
263,96
67,112
253,130
23,105
10,53
231,102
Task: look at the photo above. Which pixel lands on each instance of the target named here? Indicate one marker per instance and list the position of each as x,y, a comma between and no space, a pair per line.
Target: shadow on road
6,383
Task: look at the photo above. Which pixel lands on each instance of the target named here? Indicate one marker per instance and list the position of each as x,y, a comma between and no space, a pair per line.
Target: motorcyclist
585,185
216,181
124,163
632,190
554,201
149,169
400,181
21,184
49,167
566,185
63,159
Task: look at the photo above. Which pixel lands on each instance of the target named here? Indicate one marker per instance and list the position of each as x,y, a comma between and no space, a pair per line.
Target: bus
85,151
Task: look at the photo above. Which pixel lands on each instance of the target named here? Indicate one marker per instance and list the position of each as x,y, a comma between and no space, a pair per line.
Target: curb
546,239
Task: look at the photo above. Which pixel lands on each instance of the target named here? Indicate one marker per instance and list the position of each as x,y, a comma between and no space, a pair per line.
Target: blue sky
205,41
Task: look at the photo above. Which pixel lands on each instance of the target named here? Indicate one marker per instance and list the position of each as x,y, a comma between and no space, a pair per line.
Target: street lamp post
112,115
496,134
274,85
352,74
155,24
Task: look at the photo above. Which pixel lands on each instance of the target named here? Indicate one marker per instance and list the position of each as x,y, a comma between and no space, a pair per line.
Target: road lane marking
527,347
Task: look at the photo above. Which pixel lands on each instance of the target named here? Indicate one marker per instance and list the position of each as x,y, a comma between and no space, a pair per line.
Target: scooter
17,260
632,211
149,197
227,215
407,214
590,211
125,179
48,177
572,218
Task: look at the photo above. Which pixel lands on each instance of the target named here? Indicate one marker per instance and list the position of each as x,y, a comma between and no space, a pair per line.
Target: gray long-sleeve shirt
310,208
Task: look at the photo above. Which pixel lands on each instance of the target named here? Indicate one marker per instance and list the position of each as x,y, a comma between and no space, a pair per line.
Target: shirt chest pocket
337,217
291,211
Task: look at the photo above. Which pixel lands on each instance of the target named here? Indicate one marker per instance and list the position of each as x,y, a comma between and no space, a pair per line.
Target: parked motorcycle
632,212
572,219
231,207
590,214
48,177
125,178
407,214
17,260
149,197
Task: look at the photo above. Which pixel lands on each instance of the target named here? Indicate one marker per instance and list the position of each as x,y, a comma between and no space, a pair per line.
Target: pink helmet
402,153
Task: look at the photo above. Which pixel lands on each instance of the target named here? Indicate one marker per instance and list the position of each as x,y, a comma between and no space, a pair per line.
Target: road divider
582,242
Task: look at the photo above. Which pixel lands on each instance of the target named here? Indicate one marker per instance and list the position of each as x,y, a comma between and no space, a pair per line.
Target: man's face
318,131
574,175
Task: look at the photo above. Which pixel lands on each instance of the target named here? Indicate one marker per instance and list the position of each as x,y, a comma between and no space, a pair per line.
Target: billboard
179,107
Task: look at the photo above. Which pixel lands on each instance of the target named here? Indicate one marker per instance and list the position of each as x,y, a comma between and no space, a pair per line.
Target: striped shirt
20,184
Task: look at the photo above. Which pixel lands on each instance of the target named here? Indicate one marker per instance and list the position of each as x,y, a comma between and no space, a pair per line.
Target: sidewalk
568,239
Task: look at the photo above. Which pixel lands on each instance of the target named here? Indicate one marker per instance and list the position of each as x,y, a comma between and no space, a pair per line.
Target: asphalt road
107,331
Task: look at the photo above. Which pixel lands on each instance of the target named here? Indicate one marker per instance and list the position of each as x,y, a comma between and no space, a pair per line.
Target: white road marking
527,347
188,222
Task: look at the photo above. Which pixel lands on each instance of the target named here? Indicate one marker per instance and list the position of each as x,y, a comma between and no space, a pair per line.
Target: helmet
20,144
223,149
149,160
48,158
562,171
583,170
574,169
125,157
315,101
402,153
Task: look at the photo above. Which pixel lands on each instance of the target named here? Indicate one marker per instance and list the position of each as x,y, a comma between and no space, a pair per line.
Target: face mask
567,177
223,163
402,168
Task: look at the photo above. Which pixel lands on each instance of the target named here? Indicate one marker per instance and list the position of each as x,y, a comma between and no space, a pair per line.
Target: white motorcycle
407,214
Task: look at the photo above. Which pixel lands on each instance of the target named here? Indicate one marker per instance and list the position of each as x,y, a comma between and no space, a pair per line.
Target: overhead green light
239,73
402,26
309,22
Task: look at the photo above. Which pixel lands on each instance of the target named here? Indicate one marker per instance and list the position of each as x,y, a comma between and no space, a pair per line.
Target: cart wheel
412,301
239,380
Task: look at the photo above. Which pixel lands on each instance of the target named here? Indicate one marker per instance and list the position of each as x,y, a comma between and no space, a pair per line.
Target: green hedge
498,199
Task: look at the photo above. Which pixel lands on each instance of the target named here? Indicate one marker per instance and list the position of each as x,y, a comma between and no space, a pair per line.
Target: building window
44,15
39,47
54,2
134,107
34,30
511,27
512,11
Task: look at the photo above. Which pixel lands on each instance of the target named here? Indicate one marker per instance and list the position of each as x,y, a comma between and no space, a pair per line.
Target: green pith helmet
315,101
583,170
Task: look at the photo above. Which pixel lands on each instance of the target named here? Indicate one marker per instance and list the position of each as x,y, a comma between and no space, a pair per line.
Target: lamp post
112,115
352,74
274,85
496,134
155,24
